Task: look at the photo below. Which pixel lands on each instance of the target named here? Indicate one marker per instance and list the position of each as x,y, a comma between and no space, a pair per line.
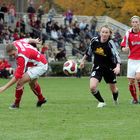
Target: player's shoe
14,106
116,102
39,103
134,102
101,104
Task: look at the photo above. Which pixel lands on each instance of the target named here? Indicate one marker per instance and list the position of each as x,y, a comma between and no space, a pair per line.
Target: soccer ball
70,67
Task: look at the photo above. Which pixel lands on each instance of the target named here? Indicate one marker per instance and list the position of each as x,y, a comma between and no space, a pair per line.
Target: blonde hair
10,47
108,27
135,17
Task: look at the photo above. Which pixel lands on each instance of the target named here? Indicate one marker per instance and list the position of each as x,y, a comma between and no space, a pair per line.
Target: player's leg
18,95
94,81
132,89
115,92
35,73
138,81
132,68
19,91
35,87
110,78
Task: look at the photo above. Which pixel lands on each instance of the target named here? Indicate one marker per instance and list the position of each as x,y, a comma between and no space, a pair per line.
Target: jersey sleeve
116,56
20,68
123,43
89,49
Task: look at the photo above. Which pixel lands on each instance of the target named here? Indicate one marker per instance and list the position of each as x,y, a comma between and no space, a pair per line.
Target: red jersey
132,40
28,56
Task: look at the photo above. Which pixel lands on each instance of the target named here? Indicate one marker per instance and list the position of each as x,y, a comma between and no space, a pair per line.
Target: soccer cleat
14,106
134,102
101,104
116,102
39,103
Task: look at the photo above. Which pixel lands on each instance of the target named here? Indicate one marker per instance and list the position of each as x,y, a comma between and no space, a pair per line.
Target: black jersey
105,54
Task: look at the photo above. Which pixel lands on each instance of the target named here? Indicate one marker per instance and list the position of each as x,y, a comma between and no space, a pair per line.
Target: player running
31,64
106,64
131,44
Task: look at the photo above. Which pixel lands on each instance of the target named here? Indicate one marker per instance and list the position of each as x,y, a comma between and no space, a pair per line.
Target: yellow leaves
121,10
129,6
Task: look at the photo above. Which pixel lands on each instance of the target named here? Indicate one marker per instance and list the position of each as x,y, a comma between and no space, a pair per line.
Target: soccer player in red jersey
31,64
131,44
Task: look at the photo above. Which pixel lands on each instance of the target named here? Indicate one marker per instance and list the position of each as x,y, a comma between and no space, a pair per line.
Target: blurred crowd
14,26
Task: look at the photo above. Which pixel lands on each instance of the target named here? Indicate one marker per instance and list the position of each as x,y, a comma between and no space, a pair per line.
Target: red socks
18,96
37,91
132,89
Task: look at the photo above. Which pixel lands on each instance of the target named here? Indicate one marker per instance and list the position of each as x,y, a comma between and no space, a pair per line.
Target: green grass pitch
70,113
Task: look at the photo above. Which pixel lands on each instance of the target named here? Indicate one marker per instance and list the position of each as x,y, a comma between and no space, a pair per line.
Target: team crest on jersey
100,51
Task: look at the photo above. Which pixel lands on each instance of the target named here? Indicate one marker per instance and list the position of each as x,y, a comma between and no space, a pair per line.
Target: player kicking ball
31,64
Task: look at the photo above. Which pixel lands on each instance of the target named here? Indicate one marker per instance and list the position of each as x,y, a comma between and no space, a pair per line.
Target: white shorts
37,71
133,66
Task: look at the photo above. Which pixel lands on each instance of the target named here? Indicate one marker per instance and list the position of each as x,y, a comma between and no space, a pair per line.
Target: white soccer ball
70,67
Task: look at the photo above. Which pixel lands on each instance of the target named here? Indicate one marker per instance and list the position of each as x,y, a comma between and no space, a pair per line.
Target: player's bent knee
93,88
32,85
137,77
132,82
21,83
19,86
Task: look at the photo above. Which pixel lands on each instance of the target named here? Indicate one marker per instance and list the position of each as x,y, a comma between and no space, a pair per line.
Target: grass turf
70,113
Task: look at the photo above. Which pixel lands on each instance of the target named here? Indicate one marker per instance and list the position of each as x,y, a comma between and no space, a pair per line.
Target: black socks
115,96
98,96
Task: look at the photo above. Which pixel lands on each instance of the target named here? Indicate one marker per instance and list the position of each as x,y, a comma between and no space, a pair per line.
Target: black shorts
107,73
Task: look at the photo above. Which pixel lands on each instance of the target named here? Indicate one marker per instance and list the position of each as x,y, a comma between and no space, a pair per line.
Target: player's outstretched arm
9,84
82,63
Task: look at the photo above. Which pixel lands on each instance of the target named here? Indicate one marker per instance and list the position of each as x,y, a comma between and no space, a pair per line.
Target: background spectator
61,55
40,12
12,13
117,38
3,11
31,13
93,25
68,16
51,14
6,70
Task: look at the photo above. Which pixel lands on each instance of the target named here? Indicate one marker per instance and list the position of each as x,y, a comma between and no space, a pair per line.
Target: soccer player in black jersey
106,64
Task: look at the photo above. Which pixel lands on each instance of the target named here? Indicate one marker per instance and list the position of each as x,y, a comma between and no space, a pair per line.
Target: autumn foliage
120,10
